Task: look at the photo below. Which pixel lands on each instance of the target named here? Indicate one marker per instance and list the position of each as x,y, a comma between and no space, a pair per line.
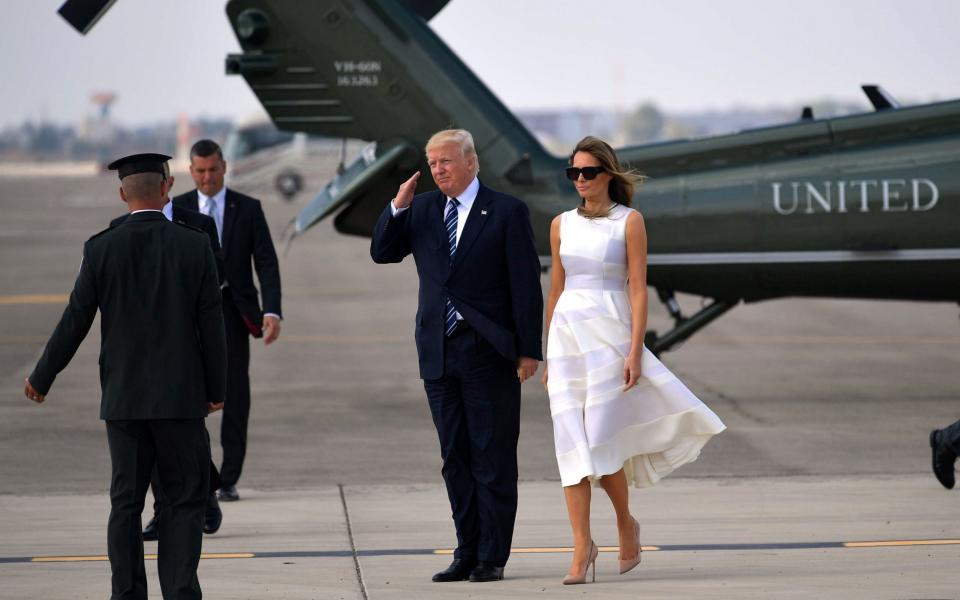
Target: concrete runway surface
828,405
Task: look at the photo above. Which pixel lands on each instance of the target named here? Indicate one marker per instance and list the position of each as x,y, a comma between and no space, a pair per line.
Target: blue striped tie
450,221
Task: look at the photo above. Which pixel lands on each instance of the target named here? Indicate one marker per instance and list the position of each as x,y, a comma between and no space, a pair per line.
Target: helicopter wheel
289,184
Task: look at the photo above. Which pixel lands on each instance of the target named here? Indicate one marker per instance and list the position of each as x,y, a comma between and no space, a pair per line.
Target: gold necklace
581,210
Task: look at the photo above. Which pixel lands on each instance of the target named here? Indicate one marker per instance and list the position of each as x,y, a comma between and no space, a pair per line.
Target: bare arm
557,278
636,239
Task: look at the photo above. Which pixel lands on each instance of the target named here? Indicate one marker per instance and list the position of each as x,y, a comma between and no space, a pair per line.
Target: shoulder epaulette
96,235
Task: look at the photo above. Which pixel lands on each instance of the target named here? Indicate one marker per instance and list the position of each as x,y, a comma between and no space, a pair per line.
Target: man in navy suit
478,335
245,239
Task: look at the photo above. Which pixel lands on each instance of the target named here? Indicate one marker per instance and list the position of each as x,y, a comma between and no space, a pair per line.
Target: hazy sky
163,58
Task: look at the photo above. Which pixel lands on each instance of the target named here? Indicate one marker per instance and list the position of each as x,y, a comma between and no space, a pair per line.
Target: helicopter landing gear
684,326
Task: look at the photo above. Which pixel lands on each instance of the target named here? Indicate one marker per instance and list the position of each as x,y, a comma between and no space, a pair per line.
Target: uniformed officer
214,516
162,370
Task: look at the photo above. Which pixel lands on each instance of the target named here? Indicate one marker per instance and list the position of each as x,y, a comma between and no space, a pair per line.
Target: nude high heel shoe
629,564
582,578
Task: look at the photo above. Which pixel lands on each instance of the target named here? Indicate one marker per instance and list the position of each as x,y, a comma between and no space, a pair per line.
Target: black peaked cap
149,162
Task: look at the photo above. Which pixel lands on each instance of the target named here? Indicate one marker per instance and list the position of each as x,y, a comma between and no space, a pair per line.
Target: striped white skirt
598,428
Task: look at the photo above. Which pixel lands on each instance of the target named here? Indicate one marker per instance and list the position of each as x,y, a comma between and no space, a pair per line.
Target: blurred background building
98,138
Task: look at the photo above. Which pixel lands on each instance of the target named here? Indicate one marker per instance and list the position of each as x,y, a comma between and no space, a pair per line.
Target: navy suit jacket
493,281
246,245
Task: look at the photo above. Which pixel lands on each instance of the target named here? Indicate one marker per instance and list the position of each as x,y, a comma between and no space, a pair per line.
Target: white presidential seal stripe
822,256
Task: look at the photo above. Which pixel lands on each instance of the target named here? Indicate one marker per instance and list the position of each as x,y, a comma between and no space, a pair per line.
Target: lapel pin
483,211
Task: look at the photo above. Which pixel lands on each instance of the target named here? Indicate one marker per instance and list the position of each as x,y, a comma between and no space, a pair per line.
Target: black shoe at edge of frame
943,459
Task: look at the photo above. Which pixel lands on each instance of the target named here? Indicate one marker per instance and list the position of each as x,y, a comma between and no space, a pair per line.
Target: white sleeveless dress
598,428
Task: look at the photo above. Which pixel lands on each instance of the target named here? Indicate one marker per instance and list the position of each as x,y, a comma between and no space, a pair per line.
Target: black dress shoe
151,532
459,570
485,571
228,493
213,516
943,459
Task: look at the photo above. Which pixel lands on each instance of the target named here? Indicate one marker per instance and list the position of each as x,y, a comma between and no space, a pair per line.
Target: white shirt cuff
394,211
273,315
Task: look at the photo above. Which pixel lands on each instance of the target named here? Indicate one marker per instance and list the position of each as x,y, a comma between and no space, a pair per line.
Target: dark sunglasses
573,173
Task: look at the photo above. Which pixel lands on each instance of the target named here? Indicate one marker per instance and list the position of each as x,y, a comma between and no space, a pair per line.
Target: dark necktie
450,221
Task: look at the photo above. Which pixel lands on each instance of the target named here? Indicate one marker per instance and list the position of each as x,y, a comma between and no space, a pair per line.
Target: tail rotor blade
84,14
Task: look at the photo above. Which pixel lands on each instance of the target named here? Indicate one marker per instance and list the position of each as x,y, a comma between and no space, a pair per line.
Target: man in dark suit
478,335
245,239
945,446
162,370
214,516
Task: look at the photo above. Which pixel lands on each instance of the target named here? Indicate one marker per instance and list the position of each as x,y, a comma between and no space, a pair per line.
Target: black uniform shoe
152,531
213,516
943,459
484,571
228,493
459,570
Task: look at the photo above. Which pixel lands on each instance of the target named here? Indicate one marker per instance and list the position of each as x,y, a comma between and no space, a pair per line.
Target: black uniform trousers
179,449
476,410
236,409
157,490
951,436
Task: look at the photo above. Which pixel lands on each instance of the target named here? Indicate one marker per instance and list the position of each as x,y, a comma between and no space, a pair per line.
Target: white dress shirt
167,210
203,203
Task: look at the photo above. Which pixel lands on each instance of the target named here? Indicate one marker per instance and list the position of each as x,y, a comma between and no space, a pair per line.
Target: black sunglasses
573,173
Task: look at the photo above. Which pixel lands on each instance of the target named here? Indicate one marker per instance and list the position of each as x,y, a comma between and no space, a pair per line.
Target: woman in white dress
618,414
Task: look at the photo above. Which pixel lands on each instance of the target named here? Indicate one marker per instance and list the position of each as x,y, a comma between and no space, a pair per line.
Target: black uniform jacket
245,237
493,281
196,220
163,350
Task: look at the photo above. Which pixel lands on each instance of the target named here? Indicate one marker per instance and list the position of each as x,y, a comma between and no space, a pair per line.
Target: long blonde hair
622,181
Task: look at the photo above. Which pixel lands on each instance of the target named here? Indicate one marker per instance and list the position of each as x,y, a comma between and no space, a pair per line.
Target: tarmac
766,537
821,486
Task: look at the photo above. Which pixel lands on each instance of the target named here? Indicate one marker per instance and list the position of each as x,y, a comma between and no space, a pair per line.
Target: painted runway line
544,550
35,299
